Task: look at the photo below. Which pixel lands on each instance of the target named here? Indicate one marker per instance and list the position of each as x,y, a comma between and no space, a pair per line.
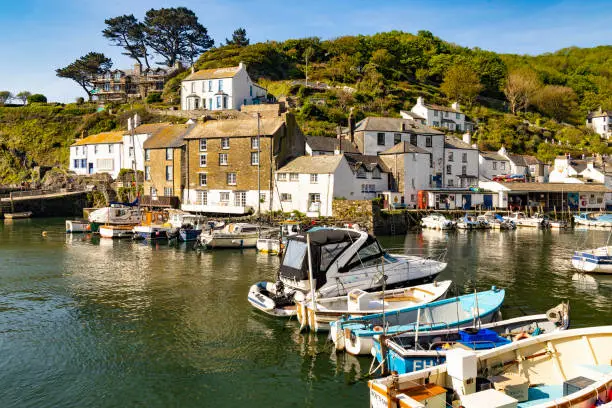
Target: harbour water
86,322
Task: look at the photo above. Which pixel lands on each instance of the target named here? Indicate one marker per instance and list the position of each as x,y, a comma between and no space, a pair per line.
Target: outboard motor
559,315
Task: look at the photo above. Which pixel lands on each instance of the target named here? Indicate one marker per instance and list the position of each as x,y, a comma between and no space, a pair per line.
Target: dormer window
107,75
376,173
117,76
361,173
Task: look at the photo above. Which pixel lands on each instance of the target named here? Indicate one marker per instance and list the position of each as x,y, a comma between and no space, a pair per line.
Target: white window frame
203,145
147,173
168,191
202,197
171,174
294,177
225,157
284,197
255,143
281,176
314,178
205,157
231,179
169,154
147,154
225,143
202,179
224,196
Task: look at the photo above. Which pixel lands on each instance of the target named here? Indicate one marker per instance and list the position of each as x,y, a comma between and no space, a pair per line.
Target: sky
39,36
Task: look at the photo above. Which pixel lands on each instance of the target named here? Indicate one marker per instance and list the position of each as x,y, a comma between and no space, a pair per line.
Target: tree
23,96
126,32
239,38
175,34
5,96
37,98
521,86
558,102
84,69
461,83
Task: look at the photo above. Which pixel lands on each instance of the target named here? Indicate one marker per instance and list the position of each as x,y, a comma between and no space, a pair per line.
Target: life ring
377,328
521,336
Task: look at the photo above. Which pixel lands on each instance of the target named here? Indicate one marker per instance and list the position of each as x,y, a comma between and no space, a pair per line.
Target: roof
329,144
235,128
167,136
531,160
411,114
556,187
440,108
492,156
104,137
518,160
452,142
213,73
384,124
355,160
599,114
404,147
150,127
326,164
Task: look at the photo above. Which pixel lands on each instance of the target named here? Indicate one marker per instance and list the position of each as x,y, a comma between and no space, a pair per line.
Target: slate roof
102,138
492,156
383,124
599,114
452,142
150,127
235,128
370,162
531,160
167,136
326,164
213,73
441,108
404,147
412,114
330,144
517,159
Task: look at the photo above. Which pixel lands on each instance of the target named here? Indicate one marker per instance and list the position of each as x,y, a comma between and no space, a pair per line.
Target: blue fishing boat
587,219
189,234
355,334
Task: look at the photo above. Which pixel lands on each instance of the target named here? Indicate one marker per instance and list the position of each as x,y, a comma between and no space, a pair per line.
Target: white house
133,146
220,88
601,122
567,170
413,116
460,162
310,183
442,116
492,164
321,145
99,153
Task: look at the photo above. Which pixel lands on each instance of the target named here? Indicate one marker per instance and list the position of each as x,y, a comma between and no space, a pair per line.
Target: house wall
244,89
456,165
491,168
410,172
601,125
300,191
139,140
92,154
157,165
434,117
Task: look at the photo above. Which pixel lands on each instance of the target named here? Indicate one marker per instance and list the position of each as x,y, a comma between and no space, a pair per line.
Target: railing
40,192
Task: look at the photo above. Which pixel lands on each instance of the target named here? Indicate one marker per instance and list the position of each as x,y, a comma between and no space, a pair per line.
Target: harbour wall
56,205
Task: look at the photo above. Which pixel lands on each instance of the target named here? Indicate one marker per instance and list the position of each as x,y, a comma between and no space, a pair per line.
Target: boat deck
540,394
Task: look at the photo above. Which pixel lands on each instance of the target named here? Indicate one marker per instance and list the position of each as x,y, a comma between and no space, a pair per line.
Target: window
458,115
367,255
147,154
251,90
210,103
428,141
168,191
231,179
107,75
107,87
314,178
294,177
494,165
436,123
254,158
220,85
413,140
450,156
314,198
105,165
281,176
449,169
225,143
117,76
361,173
110,148
147,172
503,165
240,199
376,173
203,160
435,113
218,102
168,173
295,254
446,114
464,170
450,183
397,137
203,145
225,102
285,197
202,197
463,157
95,149
368,188
222,159
203,179
83,163
254,143
209,86
380,137
224,196
117,87
76,163
131,151
192,87
169,153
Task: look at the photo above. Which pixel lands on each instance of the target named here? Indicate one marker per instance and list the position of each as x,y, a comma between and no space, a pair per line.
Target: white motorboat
178,218
116,231
437,221
470,223
76,226
361,303
117,214
520,219
342,260
597,260
236,235
497,221
591,220
152,232
567,368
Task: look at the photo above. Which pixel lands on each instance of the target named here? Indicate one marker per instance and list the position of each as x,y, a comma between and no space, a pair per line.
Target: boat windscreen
294,254
330,252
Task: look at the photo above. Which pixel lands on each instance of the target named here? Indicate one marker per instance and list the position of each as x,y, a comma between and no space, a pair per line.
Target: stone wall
355,212
60,206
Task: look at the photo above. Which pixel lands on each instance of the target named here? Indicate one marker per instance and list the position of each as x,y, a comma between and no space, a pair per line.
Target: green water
86,322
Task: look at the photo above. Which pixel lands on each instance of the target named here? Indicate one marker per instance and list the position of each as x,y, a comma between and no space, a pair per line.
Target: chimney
455,106
467,138
137,69
129,125
351,125
241,65
339,151
420,100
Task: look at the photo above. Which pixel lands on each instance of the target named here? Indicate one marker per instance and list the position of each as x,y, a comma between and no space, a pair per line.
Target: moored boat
355,334
117,214
76,226
568,368
437,221
236,235
496,221
597,260
469,223
152,232
588,219
273,241
538,220
116,231
18,215
360,303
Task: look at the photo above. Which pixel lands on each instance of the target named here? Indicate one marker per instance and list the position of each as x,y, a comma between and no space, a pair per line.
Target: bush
37,98
80,100
154,97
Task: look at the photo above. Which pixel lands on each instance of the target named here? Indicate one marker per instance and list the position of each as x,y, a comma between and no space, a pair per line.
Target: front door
90,168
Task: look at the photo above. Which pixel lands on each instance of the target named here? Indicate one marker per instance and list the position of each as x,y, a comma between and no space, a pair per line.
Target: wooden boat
76,226
417,350
18,215
236,235
569,368
189,233
361,303
597,260
437,221
116,231
355,334
342,260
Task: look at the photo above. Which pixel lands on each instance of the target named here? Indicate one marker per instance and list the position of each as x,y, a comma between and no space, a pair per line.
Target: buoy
44,233
378,328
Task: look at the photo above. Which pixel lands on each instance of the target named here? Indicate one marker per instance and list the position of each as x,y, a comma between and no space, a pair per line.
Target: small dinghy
361,303
272,299
417,350
568,368
77,226
355,334
18,215
597,260
116,231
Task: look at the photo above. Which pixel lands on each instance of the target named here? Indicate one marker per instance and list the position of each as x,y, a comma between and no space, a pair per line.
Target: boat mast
258,167
310,278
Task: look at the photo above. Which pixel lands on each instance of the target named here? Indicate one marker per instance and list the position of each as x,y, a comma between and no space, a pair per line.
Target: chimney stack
137,69
455,106
351,125
467,138
420,100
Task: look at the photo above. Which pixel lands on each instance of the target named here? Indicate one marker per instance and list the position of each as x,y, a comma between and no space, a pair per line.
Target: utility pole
259,166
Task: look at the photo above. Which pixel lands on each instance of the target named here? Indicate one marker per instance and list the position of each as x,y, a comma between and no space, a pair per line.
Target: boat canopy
132,204
326,245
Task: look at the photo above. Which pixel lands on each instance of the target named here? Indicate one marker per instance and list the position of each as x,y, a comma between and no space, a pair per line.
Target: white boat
273,242
117,214
179,218
497,221
18,215
76,226
597,260
116,231
152,232
437,221
591,220
236,235
360,303
469,223
569,368
342,260
520,219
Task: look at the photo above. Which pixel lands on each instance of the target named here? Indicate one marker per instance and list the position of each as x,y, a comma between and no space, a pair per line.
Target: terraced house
230,163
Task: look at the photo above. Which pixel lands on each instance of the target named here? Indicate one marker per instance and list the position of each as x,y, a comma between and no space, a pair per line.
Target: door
90,168
488,201
466,200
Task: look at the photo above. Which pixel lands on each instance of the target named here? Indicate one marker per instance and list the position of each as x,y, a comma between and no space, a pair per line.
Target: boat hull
269,246
593,262
75,226
229,241
116,231
189,234
18,215
262,297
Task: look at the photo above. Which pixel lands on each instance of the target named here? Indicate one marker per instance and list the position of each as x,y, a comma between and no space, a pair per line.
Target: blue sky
38,36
